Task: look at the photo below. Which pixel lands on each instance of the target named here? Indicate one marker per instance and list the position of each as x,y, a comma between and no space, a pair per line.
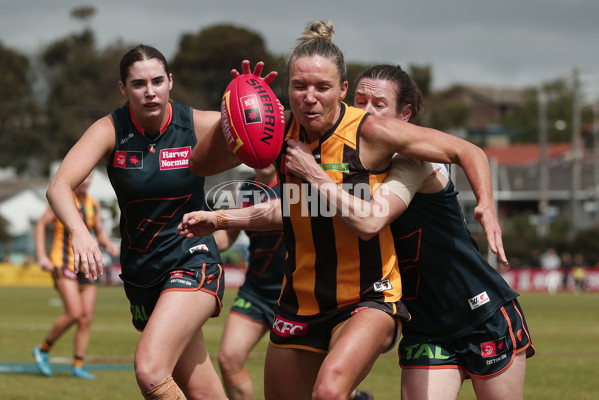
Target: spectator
535,261
579,272
550,259
551,262
567,265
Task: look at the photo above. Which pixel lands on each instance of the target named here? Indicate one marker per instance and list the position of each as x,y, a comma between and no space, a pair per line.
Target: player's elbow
198,166
366,235
366,230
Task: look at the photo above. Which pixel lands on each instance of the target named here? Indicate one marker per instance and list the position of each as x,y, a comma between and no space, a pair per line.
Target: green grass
564,328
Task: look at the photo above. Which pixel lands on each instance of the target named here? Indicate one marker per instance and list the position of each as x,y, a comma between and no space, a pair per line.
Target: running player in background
77,292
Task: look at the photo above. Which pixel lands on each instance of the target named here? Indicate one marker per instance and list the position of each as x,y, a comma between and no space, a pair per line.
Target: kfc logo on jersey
174,158
494,348
285,328
478,300
128,159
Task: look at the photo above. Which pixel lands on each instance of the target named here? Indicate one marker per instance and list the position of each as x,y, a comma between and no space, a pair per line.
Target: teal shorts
256,308
485,352
209,278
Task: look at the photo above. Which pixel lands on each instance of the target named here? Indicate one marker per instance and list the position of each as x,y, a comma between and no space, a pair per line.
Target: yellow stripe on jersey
61,252
328,266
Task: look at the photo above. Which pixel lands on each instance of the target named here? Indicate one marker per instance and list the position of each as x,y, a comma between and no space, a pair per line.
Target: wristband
222,221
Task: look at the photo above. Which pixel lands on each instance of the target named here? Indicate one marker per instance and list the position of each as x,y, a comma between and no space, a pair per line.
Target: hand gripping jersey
61,252
328,266
154,188
449,288
267,249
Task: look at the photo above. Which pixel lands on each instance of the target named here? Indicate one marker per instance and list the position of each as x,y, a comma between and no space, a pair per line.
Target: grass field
564,328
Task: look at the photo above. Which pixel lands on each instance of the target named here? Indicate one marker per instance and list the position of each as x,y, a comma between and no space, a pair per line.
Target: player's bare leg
295,380
179,349
240,335
352,353
431,384
509,385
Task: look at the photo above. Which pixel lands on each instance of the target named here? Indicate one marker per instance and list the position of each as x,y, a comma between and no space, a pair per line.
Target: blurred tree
83,13
20,117
559,113
448,116
203,63
524,119
423,76
82,88
279,85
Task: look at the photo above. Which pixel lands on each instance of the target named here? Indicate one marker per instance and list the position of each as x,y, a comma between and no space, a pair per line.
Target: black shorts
254,307
65,272
209,278
485,352
313,332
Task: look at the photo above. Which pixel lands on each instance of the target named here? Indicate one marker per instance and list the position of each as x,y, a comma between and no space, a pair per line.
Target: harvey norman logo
174,158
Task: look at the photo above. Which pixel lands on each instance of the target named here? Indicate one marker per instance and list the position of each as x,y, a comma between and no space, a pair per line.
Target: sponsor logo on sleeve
200,248
478,300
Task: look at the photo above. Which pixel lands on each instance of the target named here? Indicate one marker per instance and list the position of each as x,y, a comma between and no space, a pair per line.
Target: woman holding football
174,285
339,291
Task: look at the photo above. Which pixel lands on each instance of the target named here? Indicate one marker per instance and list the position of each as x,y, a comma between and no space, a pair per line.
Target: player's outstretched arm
383,135
260,217
364,218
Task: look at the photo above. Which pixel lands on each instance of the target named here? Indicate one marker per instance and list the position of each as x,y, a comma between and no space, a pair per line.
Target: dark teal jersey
154,188
448,286
266,264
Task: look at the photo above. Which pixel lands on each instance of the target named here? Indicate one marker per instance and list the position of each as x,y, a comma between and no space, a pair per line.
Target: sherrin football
252,120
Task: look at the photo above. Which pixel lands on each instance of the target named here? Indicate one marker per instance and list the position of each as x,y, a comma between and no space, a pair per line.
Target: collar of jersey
162,129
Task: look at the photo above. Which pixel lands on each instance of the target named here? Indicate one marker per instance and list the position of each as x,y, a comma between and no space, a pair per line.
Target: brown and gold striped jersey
328,266
61,252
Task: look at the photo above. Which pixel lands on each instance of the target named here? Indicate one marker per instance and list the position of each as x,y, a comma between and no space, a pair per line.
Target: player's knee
330,385
75,316
147,373
86,320
229,362
235,378
165,390
328,391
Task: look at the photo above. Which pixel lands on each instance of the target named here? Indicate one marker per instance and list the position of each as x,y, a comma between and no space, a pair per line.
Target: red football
252,121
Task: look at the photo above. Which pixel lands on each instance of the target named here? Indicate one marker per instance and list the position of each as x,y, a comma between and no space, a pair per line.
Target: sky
508,43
